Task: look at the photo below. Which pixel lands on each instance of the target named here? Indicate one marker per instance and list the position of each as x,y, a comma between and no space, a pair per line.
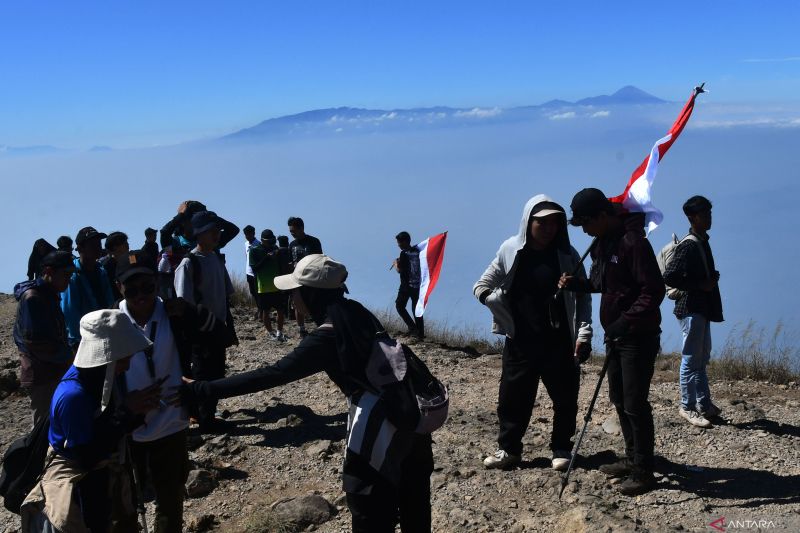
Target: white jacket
499,277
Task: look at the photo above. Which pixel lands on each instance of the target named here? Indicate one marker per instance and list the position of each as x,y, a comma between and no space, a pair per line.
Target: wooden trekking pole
587,418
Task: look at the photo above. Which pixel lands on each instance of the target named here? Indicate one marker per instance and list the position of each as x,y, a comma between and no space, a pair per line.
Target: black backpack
23,465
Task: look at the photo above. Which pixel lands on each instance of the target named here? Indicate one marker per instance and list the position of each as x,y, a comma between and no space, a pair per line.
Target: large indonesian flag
637,193
431,256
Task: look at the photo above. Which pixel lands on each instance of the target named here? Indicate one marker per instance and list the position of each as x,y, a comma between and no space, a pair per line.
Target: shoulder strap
197,276
148,352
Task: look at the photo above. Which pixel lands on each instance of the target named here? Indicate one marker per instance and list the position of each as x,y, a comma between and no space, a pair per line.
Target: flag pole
575,270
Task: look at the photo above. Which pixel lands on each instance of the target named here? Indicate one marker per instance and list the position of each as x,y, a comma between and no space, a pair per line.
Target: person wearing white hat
391,482
89,418
547,333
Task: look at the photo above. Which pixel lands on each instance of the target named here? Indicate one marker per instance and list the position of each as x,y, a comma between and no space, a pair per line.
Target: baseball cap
267,234
58,259
84,234
588,203
136,262
203,221
314,270
543,209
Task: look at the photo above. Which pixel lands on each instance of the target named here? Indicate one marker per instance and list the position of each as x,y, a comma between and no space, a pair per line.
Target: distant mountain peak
626,95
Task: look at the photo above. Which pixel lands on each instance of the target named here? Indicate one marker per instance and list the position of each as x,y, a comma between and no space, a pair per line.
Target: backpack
414,399
232,339
665,257
23,464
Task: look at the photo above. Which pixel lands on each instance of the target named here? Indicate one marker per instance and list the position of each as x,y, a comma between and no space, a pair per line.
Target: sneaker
712,411
637,483
622,468
501,459
280,337
694,418
561,460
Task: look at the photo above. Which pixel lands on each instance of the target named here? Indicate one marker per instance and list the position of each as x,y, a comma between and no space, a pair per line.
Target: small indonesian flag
431,256
636,197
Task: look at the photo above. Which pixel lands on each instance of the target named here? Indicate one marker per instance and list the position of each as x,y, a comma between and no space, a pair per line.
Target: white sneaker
280,337
694,418
501,459
712,411
561,460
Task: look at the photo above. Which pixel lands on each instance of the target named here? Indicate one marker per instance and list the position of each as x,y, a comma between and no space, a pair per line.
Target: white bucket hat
314,270
107,336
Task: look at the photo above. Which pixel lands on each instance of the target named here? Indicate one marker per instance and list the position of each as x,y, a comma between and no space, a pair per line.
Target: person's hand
183,206
582,352
618,329
144,400
565,281
175,306
193,392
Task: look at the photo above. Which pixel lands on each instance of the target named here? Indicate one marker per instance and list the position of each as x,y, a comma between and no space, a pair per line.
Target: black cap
150,231
204,221
589,203
58,259
268,235
137,262
84,234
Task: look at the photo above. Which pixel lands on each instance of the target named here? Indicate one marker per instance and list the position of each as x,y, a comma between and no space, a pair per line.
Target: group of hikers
122,349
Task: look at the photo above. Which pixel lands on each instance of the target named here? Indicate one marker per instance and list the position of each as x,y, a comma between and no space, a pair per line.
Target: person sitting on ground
264,261
84,487
548,333
150,246
625,271
202,278
64,243
89,287
692,270
116,247
40,333
159,447
407,266
302,245
383,484
40,249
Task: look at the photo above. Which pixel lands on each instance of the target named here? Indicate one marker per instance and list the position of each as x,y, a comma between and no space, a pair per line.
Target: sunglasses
133,292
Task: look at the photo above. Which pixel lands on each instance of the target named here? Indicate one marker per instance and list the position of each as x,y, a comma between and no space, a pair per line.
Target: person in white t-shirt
250,241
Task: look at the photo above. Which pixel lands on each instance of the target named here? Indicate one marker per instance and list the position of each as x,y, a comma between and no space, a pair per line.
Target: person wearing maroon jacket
625,272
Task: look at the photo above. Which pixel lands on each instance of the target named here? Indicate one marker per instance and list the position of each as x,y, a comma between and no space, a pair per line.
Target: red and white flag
636,197
431,256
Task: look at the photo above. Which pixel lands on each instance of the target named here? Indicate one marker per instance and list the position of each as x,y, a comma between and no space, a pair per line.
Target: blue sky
135,74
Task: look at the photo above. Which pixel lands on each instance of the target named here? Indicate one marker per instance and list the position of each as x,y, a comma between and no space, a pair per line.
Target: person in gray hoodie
548,332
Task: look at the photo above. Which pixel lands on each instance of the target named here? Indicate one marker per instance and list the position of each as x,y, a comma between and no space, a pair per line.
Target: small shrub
241,292
750,352
267,521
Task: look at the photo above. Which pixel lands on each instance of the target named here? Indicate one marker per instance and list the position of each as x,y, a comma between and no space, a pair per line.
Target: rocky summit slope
281,460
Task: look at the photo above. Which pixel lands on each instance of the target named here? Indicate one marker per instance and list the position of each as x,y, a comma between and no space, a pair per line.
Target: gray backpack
668,252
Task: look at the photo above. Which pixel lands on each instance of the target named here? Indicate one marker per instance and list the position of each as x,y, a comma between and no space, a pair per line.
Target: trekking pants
630,370
403,295
524,364
208,363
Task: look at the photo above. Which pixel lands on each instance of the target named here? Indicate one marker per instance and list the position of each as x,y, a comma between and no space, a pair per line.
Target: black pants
409,503
524,363
166,460
208,363
630,369
403,295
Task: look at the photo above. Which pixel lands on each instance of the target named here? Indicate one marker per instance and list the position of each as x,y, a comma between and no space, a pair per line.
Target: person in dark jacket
179,230
625,271
407,266
117,246
692,270
40,249
40,332
382,483
150,246
302,245
64,243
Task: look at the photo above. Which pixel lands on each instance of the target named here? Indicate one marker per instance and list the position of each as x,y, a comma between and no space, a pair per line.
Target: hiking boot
622,468
501,459
712,411
694,418
637,483
561,460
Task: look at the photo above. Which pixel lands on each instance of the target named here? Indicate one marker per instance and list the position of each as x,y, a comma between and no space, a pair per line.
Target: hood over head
22,287
536,204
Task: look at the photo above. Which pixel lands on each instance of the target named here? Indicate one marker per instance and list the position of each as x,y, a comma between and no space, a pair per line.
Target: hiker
391,479
179,231
625,271
116,247
64,243
302,245
150,246
84,486
547,334
250,241
692,271
89,287
40,333
40,249
159,446
407,266
202,278
263,259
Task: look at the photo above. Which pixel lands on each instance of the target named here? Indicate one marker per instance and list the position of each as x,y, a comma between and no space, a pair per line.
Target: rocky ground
282,457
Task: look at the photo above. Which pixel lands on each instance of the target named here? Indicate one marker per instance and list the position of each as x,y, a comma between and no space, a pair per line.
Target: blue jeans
696,353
